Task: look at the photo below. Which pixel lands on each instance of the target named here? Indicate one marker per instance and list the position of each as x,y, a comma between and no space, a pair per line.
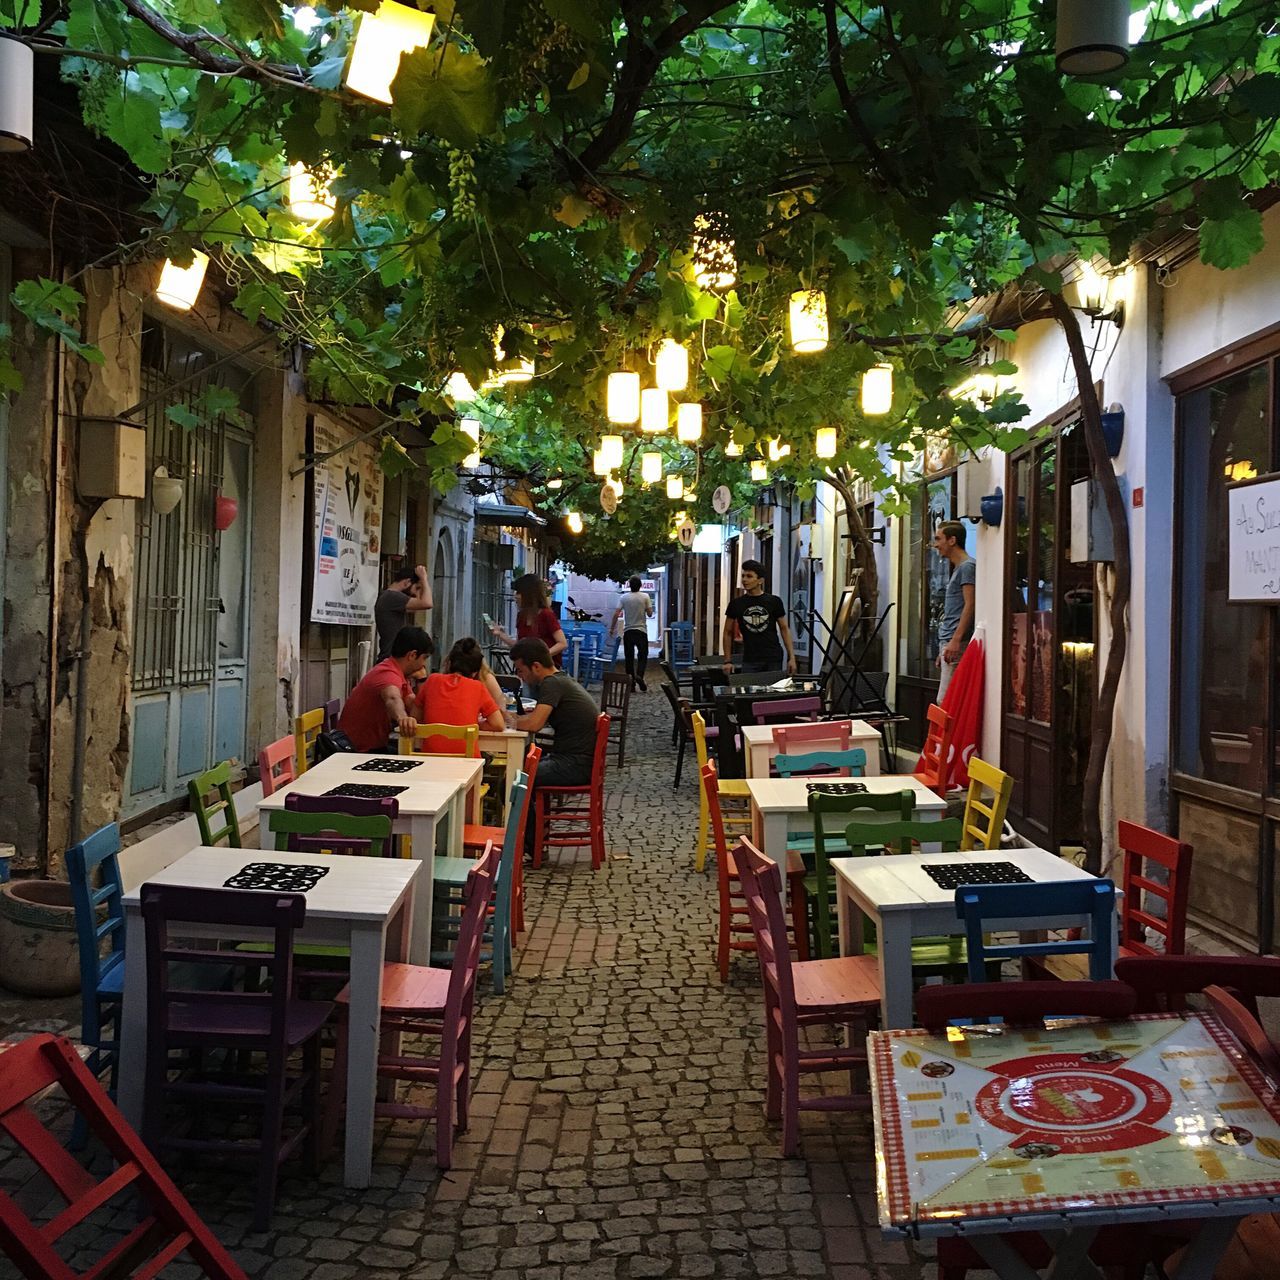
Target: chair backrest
97,857
477,894
844,764
711,785
934,768
223,809
983,813
332,710
1143,847
532,757
615,694
1246,1028
821,735
748,679
166,1225
901,836
602,750
831,812
442,740
512,848
679,710
699,727
681,634
773,710
306,729
1021,1003
277,765
1161,981
509,684
1019,905
761,881
331,830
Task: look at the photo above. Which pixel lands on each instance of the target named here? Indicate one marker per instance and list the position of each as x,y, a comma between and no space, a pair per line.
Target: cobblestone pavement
617,1125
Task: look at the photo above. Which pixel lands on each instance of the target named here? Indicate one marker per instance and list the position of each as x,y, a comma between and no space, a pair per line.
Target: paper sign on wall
1253,541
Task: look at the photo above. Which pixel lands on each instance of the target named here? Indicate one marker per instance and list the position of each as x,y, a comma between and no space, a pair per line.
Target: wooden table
364,904
433,808
1063,1130
511,744
759,747
905,903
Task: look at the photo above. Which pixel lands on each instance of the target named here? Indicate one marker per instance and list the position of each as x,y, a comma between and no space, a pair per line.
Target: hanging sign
608,499
348,527
687,532
1253,541
722,499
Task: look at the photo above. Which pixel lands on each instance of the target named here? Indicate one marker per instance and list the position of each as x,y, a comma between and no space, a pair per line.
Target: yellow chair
984,818
737,818
466,735
306,729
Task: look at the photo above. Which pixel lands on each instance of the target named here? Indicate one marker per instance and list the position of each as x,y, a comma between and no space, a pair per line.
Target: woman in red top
459,695
534,617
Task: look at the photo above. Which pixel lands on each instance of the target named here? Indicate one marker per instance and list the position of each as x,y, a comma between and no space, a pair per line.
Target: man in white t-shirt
634,608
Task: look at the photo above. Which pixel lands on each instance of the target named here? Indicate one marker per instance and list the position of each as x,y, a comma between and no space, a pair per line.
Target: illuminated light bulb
615,482
611,451
690,496
459,387
675,488
671,366
622,399
574,520
655,412
778,450
310,200
759,469
714,266
598,464
471,427
179,287
824,442
651,468
877,389
733,449
555,484
689,422
808,321
514,370
382,38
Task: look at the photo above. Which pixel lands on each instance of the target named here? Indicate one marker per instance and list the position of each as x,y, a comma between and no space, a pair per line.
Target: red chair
934,768
277,764
475,838
1246,1028
422,1001
168,1226
735,932
841,992
1021,1003
578,810
1162,981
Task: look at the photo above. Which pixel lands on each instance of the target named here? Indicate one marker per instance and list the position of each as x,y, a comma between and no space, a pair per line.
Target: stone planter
38,952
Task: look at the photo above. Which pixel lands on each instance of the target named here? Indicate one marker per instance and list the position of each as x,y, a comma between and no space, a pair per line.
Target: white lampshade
516,371
459,387
179,287
714,266
574,520
17,94
651,468
615,483
759,469
689,422
808,320
824,442
598,465
655,410
622,401
381,39
778,450
671,366
611,451
471,427
877,389
555,484
1092,37
309,200
675,488
733,449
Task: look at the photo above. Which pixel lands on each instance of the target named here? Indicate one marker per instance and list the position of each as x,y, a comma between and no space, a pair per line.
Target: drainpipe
82,715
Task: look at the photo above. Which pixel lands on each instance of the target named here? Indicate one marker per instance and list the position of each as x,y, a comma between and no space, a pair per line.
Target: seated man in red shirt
381,701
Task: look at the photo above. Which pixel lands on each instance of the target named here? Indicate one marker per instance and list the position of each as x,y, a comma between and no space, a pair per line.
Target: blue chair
680,642
450,876
848,764
1021,905
101,975
595,665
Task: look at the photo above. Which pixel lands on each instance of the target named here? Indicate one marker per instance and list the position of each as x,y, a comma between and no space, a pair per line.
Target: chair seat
479,836
409,988
736,787
451,872
303,1018
111,983
846,982
1075,966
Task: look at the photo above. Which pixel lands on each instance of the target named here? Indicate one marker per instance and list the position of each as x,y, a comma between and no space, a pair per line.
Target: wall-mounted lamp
1092,36
992,508
17,94
1094,291
166,491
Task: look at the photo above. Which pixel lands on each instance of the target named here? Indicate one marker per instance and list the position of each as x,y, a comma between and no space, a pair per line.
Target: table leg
364,1017
894,933
422,832
772,829
131,1078
931,815
849,917
1003,1258
1205,1251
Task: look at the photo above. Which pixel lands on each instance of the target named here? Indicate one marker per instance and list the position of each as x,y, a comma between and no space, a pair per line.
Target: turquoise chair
847,764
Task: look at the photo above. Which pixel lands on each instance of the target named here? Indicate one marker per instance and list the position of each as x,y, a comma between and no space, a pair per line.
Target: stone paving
617,1125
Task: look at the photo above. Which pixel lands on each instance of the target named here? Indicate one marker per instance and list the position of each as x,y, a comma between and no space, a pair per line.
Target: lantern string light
807,317
689,422
671,366
598,464
824,442
759,470
655,411
574,520
651,468
471,427
179,287
877,389
714,266
311,198
611,451
675,488
382,38
622,397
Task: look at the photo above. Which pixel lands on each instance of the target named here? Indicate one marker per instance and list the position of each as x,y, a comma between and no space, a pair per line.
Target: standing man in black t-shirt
762,619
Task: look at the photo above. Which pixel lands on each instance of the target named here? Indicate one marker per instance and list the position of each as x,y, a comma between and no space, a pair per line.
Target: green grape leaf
453,96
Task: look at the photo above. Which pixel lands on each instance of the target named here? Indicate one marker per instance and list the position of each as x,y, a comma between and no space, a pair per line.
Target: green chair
329,833
217,779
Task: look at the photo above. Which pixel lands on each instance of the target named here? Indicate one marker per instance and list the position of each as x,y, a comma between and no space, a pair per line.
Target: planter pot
38,952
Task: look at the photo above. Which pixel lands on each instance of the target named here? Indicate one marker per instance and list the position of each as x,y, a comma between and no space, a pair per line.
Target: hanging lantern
651,468
714,266
459,387
555,484
166,491
611,451
17,94
808,321
574,520
310,200
733,449
381,39
622,400
675,488
615,483
759,470
655,412
1093,36
778,450
514,370
877,389
598,465
471,427
179,287
671,366
824,442
689,422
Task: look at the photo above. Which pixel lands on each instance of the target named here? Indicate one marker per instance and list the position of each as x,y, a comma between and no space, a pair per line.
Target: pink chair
810,993
771,711
278,764
829,735
422,1001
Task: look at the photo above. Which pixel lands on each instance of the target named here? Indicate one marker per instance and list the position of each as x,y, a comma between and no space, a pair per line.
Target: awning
508,514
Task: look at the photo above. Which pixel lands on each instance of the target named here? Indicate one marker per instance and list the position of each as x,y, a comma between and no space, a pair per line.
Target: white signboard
1253,541
348,528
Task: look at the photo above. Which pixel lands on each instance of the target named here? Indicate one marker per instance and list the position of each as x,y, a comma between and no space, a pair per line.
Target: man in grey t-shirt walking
635,608
956,625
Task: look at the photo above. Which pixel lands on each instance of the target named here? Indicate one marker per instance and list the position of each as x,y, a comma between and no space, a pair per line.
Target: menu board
1149,1111
1253,541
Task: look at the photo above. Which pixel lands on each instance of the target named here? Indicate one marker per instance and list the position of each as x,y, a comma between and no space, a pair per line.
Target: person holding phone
534,619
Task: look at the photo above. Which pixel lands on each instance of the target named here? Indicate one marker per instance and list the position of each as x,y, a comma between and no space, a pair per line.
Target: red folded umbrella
964,702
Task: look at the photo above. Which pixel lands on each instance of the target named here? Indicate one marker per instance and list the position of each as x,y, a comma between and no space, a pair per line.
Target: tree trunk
863,552
1105,473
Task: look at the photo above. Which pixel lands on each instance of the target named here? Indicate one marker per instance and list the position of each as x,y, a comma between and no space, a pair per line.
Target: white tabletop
759,734
791,795
351,889
495,738
429,788
897,882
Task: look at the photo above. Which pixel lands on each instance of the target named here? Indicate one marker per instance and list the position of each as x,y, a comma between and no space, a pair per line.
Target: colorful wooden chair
573,817
934,767
215,781
1162,982
615,702
1021,1004
332,710
277,765
839,764
300,829
1247,1029
442,740
736,815
782,710
306,729
821,735
986,805
475,838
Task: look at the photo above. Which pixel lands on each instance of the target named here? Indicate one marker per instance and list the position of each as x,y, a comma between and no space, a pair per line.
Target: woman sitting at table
460,694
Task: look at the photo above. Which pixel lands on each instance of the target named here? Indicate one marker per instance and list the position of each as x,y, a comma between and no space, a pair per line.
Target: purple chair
783,710
340,838
194,1022
332,710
